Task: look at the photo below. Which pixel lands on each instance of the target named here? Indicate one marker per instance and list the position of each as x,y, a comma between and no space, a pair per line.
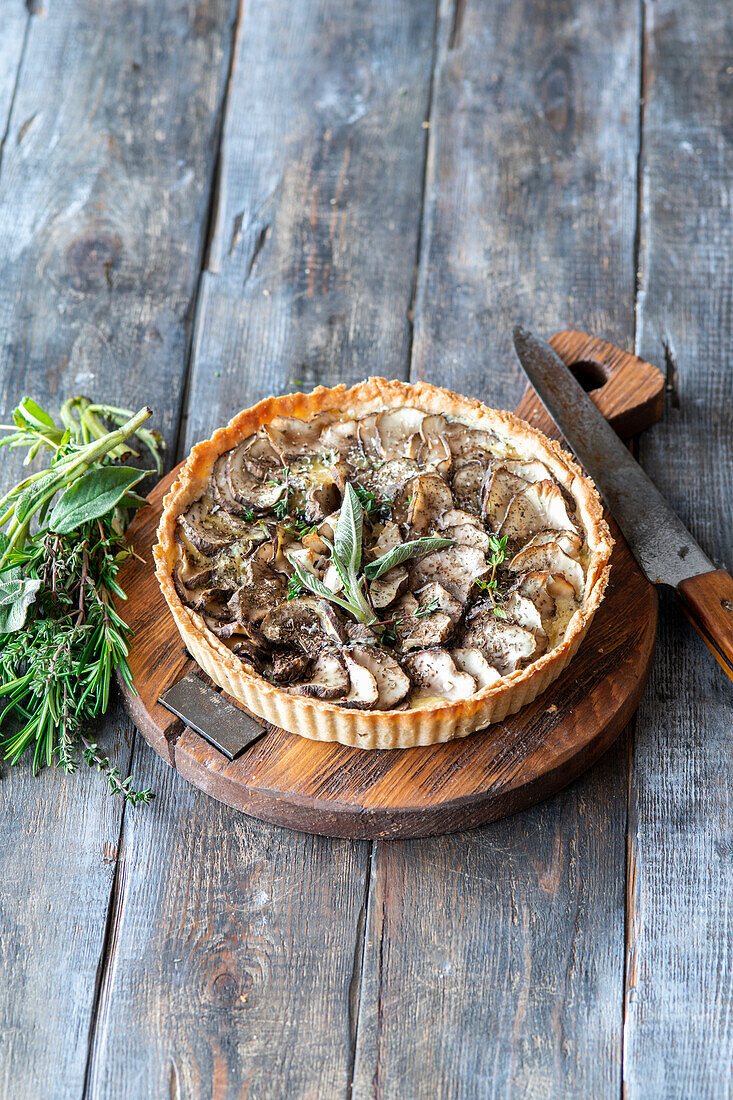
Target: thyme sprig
498,553
60,636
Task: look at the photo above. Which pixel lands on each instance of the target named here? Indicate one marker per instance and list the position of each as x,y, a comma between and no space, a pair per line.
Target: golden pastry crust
374,729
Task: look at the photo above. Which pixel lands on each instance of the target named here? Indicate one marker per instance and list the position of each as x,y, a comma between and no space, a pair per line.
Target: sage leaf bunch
346,556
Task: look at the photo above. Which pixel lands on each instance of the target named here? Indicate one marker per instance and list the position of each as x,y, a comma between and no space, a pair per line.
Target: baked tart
386,566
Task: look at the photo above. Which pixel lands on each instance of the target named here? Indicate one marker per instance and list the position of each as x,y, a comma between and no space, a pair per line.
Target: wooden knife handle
707,601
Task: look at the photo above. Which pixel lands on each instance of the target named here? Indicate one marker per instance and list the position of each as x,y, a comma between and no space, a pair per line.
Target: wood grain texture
679,983
232,950
530,212
14,20
341,791
708,602
103,195
312,264
320,94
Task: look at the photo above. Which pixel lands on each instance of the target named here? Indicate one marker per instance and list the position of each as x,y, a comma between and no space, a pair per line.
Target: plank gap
108,944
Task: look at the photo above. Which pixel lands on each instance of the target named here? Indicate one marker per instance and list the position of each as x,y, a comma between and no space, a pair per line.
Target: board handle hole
590,374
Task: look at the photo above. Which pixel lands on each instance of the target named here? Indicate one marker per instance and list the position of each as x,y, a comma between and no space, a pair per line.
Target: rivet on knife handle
207,712
707,601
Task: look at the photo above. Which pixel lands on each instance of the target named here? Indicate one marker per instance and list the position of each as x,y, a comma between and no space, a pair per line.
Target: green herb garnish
60,552
346,555
375,508
499,552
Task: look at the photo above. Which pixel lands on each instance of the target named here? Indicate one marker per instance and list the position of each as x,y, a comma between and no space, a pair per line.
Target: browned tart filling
388,562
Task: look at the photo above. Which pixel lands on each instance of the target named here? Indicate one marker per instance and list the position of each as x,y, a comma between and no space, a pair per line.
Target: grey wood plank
14,22
312,263
103,202
231,967
231,956
679,989
494,960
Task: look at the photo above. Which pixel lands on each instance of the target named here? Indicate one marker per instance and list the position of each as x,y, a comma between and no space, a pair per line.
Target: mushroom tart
386,566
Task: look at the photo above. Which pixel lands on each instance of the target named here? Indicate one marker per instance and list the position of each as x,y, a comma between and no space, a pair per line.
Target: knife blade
664,548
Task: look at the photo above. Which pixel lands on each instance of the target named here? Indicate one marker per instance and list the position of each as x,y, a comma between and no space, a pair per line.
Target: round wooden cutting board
340,791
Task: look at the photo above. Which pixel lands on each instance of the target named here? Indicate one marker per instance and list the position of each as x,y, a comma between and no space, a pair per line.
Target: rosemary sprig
60,553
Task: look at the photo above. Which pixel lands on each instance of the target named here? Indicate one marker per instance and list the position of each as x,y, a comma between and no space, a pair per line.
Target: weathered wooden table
202,203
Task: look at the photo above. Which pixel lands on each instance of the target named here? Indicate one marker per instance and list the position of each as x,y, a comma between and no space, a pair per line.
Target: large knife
660,542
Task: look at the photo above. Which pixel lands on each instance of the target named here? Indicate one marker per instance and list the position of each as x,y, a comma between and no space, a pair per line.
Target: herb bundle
61,547
346,555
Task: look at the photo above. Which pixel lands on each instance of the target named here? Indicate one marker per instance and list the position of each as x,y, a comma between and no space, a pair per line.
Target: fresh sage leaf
94,494
415,549
349,531
314,584
16,596
28,413
132,500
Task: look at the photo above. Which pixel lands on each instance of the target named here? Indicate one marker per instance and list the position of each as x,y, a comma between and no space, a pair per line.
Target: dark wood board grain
341,791
679,983
103,197
313,84
501,976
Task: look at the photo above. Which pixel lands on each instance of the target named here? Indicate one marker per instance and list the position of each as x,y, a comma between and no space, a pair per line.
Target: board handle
628,390
707,601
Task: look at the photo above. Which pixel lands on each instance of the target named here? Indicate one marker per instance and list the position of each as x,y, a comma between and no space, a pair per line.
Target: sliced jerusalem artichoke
475,664
468,534
570,542
292,437
260,589
434,673
396,429
259,457
385,589
289,666
434,594
248,655
339,437
322,500
363,692
391,478
418,629
246,488
390,537
463,440
367,438
538,507
426,498
220,487
504,644
196,523
467,482
435,452
500,486
456,569
329,678
549,557
295,624
392,683
523,612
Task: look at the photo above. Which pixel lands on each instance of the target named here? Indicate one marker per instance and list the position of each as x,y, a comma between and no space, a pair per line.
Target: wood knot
556,95
225,988
727,605
91,259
